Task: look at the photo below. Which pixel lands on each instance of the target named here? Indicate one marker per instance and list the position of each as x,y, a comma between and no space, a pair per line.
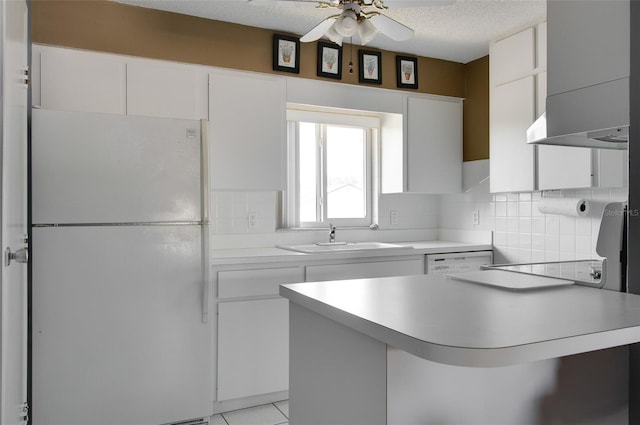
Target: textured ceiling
459,32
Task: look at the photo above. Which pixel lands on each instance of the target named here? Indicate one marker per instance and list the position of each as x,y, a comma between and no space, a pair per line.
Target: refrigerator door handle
206,282
204,167
204,184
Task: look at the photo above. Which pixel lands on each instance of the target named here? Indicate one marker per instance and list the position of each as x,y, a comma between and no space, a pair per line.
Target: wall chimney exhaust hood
588,70
609,138
591,117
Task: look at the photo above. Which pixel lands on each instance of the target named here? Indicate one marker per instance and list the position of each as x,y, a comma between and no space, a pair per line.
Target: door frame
28,177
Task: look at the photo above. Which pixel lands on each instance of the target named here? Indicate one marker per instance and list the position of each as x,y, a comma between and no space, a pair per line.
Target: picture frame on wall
407,72
329,60
286,53
369,65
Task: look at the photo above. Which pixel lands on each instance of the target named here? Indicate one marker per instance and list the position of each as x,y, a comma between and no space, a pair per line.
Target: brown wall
107,26
476,110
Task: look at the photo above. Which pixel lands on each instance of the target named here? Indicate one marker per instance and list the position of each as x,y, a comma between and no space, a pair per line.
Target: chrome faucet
332,233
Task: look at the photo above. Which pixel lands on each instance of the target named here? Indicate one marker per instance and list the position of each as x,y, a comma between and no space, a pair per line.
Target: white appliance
458,262
120,292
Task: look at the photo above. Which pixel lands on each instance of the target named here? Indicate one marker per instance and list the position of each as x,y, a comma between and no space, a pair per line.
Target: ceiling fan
361,17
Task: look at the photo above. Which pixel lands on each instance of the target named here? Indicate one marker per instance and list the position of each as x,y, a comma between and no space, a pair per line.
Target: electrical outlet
252,220
393,217
476,217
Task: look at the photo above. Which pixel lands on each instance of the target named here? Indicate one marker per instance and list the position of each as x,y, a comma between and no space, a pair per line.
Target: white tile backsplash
232,211
520,231
231,226
523,234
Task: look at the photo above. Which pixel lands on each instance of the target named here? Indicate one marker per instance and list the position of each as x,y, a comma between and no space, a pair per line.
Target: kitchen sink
320,247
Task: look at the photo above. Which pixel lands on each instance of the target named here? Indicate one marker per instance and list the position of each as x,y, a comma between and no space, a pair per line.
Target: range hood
588,71
592,117
608,138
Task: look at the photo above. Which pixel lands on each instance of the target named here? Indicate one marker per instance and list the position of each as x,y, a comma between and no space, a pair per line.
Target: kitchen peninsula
429,349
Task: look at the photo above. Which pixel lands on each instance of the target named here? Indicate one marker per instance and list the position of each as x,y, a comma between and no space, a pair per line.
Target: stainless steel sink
320,247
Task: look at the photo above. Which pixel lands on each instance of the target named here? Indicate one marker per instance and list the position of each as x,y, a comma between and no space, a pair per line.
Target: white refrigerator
120,299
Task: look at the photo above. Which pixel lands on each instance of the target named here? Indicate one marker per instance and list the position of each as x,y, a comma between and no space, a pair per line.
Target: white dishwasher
458,262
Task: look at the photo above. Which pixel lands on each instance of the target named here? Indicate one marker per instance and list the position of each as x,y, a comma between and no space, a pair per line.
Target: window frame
323,119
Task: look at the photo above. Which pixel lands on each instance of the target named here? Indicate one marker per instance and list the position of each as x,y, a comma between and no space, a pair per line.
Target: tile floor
268,414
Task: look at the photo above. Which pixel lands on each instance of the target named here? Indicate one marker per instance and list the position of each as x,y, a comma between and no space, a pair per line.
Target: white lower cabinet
253,331
253,320
253,348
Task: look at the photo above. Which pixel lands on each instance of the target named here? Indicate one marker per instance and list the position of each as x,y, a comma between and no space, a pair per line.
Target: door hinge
26,78
24,412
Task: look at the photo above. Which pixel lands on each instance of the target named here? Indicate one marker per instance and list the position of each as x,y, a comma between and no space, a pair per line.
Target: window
331,169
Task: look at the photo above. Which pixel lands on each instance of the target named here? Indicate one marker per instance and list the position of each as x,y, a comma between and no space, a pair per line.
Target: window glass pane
346,174
308,173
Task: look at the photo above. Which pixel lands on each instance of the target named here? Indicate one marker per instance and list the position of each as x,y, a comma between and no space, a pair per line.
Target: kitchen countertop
273,254
467,324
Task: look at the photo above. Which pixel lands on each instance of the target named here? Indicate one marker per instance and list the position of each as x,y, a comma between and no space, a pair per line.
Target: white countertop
273,254
468,324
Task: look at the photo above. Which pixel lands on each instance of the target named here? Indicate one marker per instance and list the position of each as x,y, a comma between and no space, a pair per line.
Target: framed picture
407,72
286,55
369,65
329,60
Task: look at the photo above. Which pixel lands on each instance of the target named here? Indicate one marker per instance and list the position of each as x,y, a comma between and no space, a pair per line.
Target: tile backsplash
521,233
257,212
243,212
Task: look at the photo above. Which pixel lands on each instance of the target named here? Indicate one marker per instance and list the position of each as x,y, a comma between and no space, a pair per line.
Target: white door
13,309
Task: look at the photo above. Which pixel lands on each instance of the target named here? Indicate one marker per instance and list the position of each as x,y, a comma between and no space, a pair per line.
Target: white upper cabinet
512,111
513,57
516,98
247,116
590,43
434,145
73,80
166,90
563,167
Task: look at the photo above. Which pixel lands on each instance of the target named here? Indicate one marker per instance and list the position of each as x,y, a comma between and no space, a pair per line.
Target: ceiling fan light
347,24
367,31
333,34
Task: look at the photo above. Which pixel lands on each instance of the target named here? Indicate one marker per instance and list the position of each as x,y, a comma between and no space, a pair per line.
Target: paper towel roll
564,206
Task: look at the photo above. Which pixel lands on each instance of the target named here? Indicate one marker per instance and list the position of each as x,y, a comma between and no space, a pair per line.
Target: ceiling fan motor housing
347,23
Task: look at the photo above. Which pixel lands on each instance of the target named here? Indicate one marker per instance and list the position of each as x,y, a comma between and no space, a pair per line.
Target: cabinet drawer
259,282
365,270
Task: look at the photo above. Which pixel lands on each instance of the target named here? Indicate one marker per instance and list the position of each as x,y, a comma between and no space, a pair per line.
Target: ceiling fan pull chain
351,55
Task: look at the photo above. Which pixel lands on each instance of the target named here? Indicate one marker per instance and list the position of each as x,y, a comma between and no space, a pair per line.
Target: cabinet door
434,146
364,270
611,168
564,167
512,111
247,115
253,348
72,80
165,90
513,57
590,43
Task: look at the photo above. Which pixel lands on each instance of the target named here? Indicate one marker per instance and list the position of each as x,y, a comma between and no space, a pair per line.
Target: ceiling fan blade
319,30
396,4
391,28
294,3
